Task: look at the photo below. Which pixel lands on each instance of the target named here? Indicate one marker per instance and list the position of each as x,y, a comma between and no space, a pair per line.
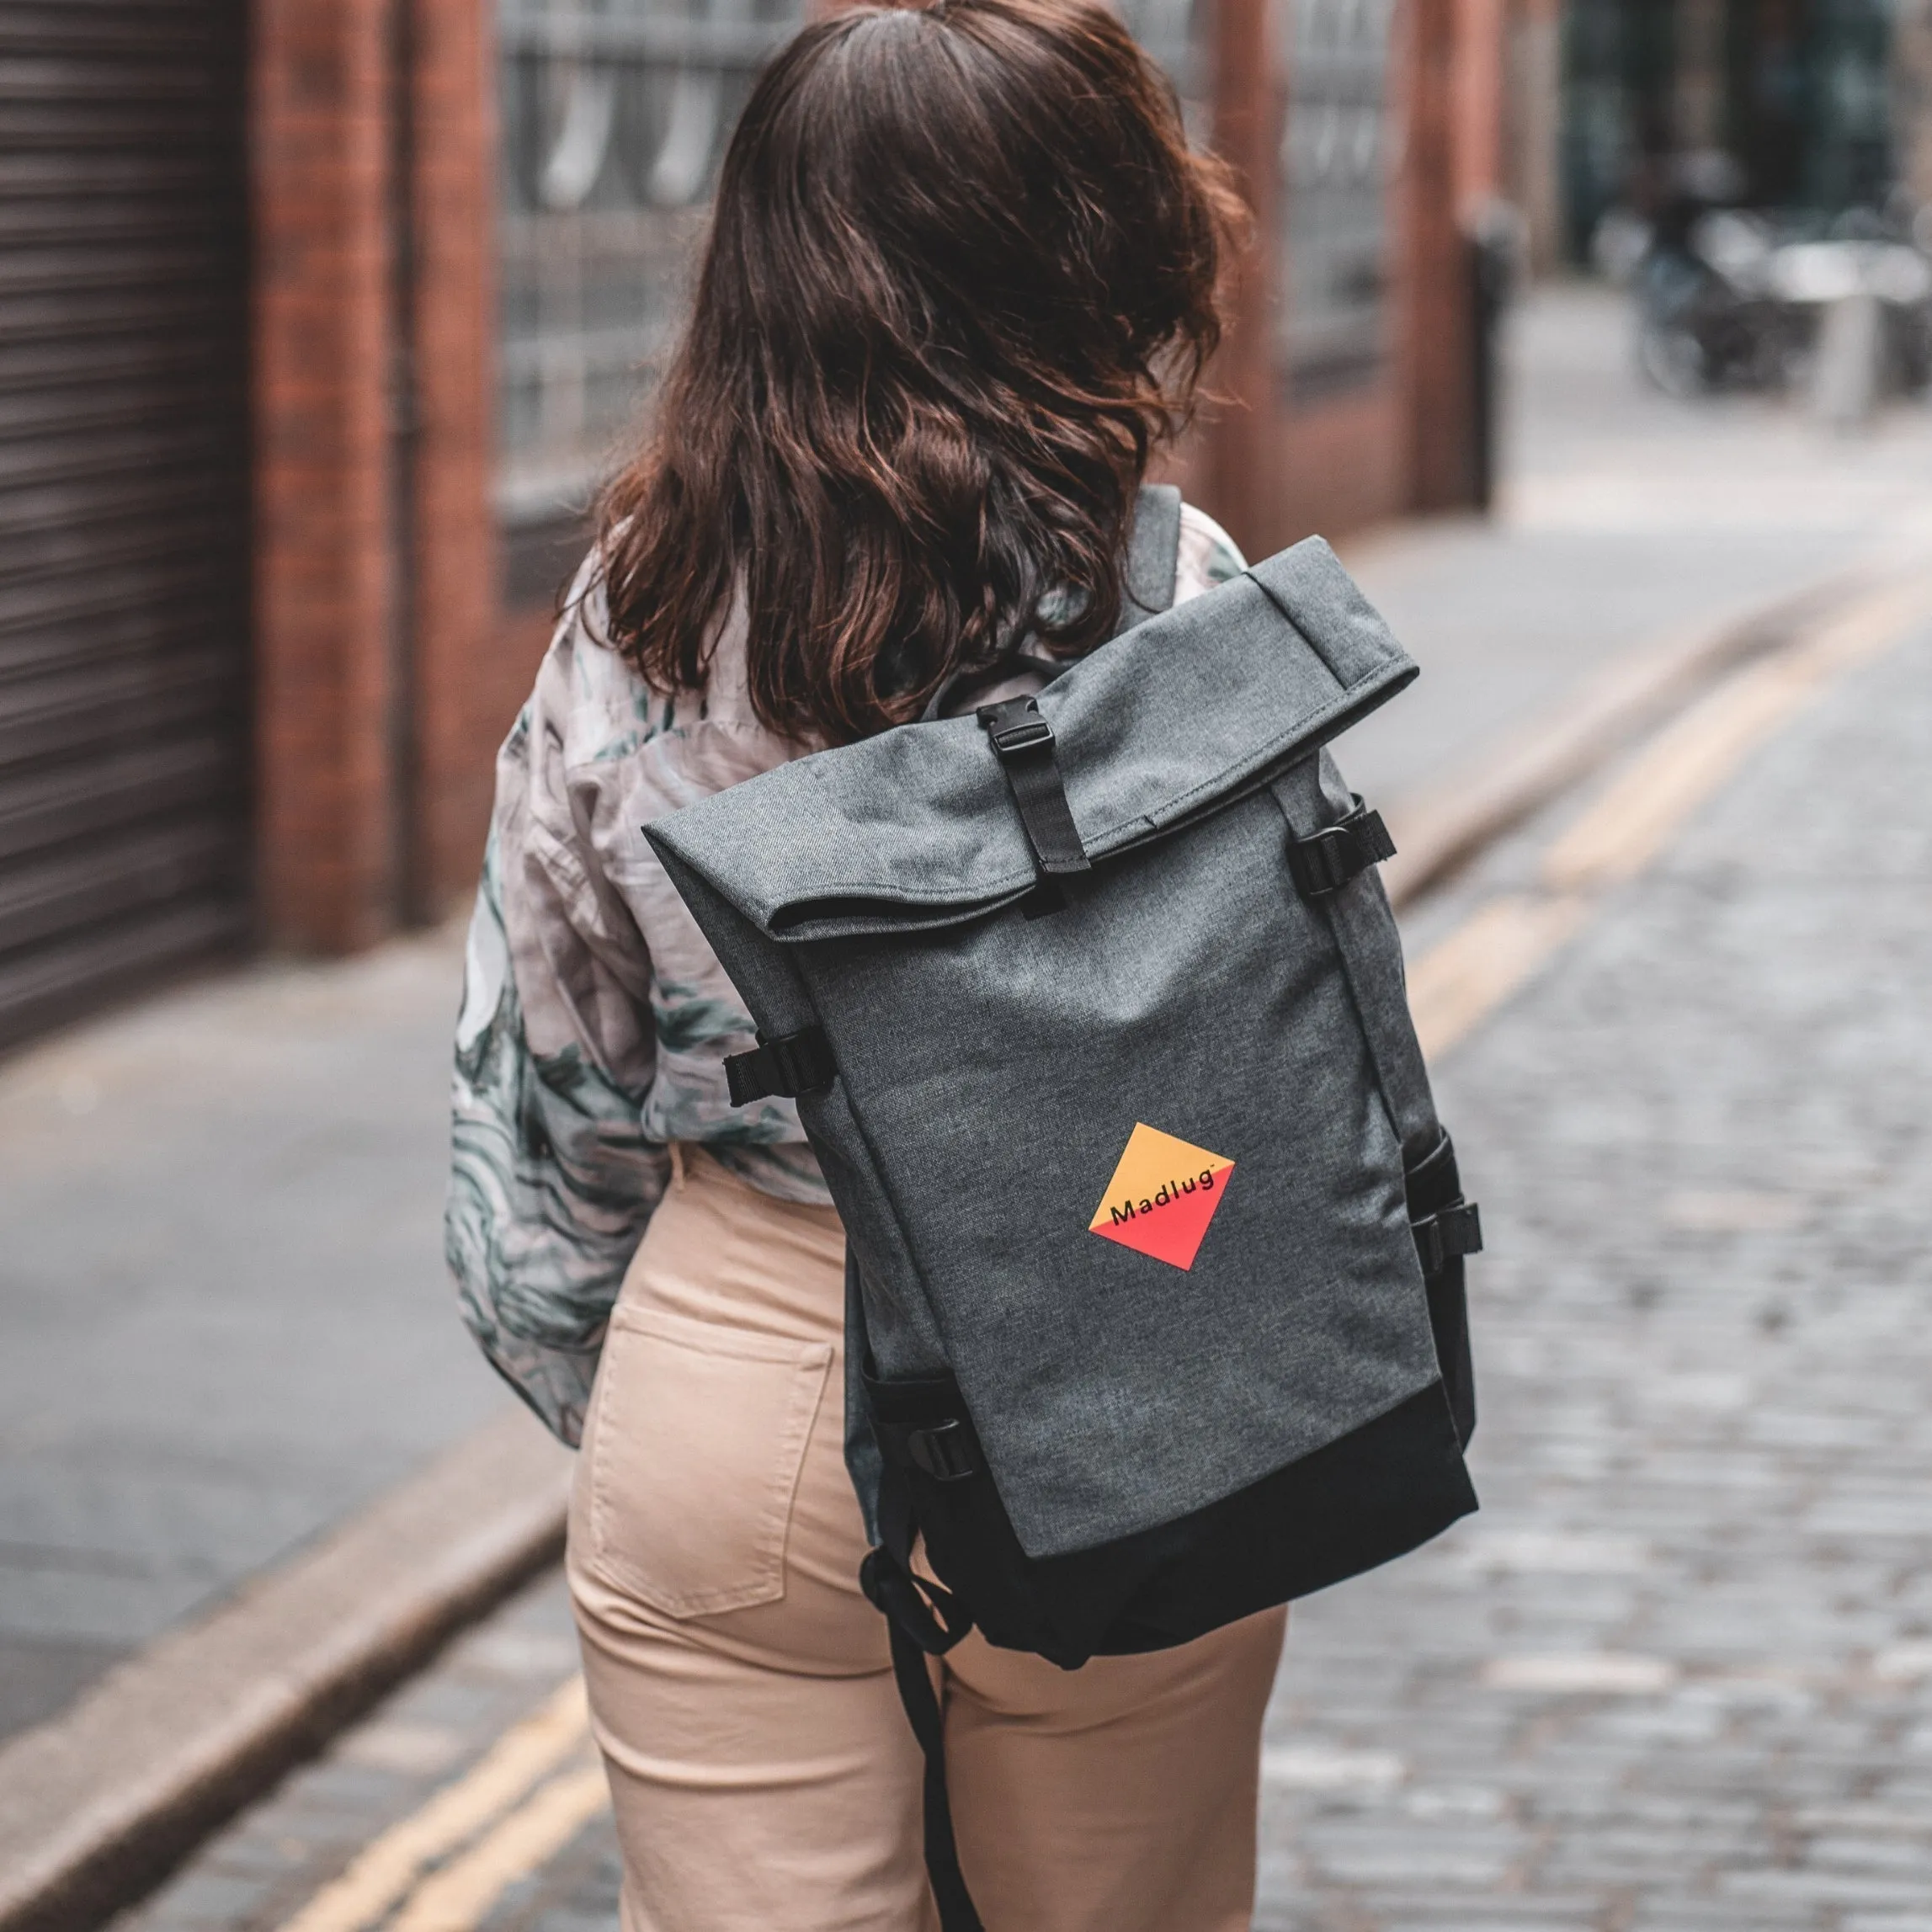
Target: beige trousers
763,1774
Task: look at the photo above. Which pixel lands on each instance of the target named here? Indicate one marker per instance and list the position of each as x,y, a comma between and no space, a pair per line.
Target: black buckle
1447,1235
794,1064
1025,743
944,1451
1326,861
1014,725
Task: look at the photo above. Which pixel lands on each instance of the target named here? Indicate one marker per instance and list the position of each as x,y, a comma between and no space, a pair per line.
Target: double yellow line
1464,977
443,1869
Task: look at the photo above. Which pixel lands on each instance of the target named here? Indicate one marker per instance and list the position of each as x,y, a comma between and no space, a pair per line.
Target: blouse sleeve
1208,555
552,1178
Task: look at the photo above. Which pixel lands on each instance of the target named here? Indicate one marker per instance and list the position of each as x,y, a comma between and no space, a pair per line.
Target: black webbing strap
957,1912
1327,861
1024,742
794,1064
1447,1235
923,1620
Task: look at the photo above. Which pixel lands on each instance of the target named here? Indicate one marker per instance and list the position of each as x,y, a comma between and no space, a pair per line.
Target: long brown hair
960,282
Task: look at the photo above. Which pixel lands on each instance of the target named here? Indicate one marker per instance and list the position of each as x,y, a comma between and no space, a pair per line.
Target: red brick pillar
376,586
1243,452
1436,352
319,140
1481,55
461,708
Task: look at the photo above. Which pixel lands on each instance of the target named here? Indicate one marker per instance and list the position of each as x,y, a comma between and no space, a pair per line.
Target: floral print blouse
595,1017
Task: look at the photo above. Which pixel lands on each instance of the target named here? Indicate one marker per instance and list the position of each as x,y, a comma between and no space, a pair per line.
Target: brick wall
385,673
388,671
461,649
1274,472
323,595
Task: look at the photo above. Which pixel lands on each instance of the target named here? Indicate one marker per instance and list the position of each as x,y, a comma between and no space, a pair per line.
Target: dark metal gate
124,544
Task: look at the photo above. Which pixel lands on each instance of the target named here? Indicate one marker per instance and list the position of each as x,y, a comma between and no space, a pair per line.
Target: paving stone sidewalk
223,1320
1677,1675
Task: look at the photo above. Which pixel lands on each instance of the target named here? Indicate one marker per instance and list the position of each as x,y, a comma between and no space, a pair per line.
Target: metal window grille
1337,151
615,115
1173,31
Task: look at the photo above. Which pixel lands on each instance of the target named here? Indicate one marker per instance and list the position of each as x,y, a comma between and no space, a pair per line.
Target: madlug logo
1163,1196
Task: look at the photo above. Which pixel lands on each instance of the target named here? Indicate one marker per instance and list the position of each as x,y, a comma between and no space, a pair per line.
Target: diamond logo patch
1163,1196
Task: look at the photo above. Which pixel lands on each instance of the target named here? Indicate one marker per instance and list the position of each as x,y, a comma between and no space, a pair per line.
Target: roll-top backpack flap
1132,1161
915,829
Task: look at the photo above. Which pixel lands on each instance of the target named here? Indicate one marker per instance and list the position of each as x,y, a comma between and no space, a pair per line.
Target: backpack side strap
1447,1235
957,1912
1326,861
923,1618
783,1068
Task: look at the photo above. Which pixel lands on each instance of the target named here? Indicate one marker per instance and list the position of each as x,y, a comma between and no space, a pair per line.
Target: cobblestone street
1677,1675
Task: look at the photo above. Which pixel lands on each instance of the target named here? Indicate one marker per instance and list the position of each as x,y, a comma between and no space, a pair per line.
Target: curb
1439,831
97,1804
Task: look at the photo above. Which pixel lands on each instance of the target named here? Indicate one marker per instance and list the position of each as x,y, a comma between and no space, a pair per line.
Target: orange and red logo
1163,1196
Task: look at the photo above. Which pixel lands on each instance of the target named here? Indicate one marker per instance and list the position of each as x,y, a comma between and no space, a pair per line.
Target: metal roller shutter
123,547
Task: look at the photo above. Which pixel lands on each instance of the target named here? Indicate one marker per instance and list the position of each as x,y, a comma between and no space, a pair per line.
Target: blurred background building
1796,93
324,317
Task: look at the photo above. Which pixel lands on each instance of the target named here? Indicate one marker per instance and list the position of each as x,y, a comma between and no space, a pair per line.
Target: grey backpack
1093,1009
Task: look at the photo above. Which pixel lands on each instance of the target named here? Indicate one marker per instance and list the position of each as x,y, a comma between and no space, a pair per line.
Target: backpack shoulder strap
1153,556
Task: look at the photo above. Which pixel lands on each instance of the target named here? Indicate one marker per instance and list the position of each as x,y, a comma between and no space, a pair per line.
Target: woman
959,287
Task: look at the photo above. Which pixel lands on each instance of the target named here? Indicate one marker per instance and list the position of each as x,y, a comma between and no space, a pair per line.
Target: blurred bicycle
1732,299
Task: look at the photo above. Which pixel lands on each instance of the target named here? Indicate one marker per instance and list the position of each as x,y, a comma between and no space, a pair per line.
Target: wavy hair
960,283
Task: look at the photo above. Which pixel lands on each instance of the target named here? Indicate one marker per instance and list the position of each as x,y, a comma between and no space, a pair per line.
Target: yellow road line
1454,986
388,1866
457,1898
1687,761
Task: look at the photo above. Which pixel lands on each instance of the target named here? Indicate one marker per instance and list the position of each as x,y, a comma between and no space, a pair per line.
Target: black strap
957,1912
1024,741
945,1451
1327,861
794,1064
1447,1235
923,1618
